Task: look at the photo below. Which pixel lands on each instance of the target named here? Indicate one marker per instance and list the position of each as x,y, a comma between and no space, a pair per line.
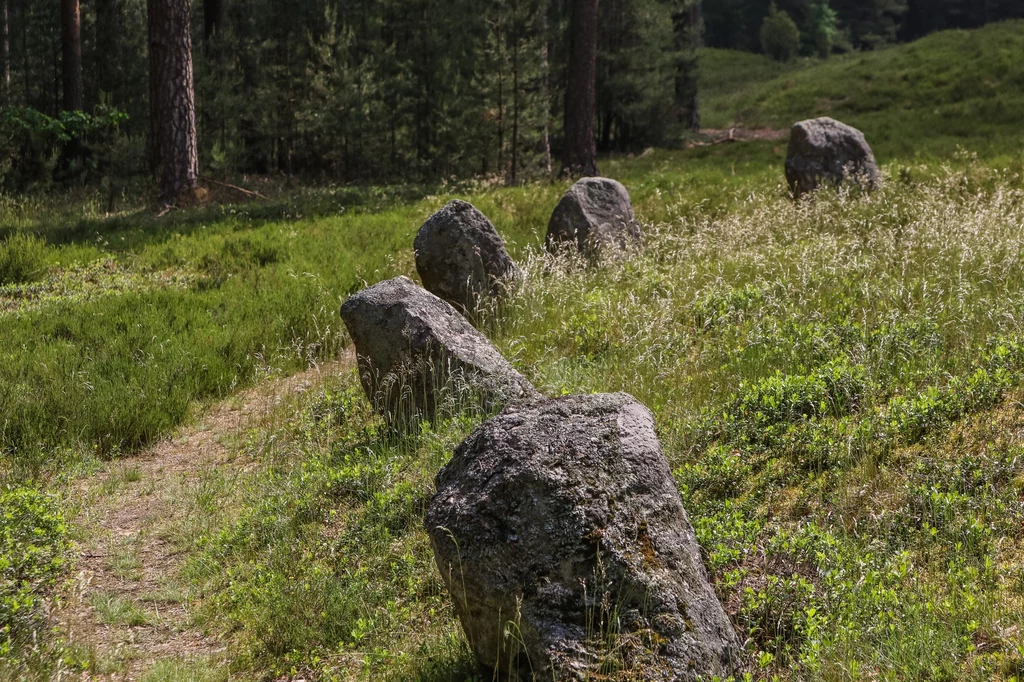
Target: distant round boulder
416,353
559,520
461,257
596,215
823,151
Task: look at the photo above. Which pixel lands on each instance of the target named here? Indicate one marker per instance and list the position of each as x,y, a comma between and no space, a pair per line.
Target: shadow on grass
458,668
132,231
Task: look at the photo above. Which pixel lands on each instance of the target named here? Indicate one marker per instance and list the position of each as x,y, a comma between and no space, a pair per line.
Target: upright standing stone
560,519
461,257
596,215
825,151
415,352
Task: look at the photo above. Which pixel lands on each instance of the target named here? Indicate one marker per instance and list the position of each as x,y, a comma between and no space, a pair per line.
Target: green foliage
780,37
23,258
822,25
172,670
775,612
32,144
373,92
815,372
177,311
866,24
835,390
355,590
873,24
33,555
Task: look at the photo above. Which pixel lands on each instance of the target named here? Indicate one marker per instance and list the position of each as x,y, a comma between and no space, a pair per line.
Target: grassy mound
955,88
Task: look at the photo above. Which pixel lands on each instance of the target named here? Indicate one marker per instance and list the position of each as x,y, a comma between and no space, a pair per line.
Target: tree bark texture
545,87
6,50
71,40
689,32
172,98
580,94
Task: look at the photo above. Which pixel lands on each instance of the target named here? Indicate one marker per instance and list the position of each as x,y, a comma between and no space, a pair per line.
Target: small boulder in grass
595,215
462,259
416,353
825,152
560,534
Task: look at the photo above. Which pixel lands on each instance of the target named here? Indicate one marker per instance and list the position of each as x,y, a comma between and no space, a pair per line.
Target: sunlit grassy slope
922,99
837,387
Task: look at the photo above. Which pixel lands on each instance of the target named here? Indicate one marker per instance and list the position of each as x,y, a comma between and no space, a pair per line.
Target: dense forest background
393,90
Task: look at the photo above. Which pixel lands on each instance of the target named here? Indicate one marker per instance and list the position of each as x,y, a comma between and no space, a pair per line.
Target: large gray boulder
416,352
823,151
560,519
596,215
461,257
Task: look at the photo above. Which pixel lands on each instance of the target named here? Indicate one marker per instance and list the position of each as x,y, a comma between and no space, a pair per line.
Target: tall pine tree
580,91
172,99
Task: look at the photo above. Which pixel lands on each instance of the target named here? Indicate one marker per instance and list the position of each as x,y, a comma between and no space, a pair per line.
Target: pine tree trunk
172,99
57,80
545,87
513,177
6,51
689,31
71,40
24,54
580,95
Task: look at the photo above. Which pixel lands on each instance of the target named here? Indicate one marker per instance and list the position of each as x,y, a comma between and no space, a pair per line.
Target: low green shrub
33,555
834,390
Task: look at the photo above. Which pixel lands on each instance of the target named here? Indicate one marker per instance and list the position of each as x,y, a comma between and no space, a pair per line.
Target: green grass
113,610
836,384
22,259
184,309
924,99
186,671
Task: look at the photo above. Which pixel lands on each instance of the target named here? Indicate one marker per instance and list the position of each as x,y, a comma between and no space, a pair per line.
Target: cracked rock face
823,151
559,519
416,352
462,259
596,215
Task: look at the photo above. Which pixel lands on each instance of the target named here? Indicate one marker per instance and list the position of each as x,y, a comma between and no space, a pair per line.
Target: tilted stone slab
825,152
416,352
596,215
560,518
462,259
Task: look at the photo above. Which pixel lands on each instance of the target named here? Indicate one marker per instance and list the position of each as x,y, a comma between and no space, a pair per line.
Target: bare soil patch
126,607
726,135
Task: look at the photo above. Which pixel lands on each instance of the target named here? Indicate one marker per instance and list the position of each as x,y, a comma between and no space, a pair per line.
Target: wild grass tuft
23,258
